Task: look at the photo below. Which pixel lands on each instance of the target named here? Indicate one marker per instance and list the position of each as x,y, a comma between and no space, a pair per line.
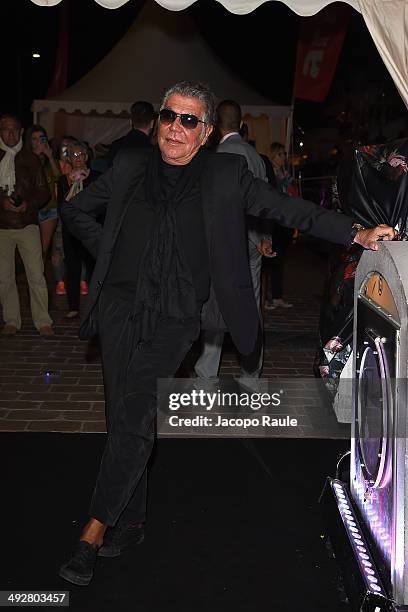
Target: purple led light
352,526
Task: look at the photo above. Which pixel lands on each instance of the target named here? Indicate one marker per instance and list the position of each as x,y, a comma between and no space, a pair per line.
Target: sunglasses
168,116
78,154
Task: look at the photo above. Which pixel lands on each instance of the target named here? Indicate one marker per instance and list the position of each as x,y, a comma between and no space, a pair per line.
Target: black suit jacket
229,192
135,139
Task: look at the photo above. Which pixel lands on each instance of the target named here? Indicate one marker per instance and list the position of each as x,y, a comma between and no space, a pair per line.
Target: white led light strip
358,542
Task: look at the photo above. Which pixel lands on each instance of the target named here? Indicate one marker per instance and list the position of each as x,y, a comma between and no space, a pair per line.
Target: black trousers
130,372
74,254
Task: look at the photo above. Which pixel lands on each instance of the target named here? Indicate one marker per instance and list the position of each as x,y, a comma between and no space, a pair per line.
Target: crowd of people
35,178
38,174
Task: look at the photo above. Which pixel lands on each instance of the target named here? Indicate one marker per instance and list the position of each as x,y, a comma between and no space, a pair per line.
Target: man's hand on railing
368,238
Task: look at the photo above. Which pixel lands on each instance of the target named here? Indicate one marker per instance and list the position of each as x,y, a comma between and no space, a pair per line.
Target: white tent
95,108
387,21
240,7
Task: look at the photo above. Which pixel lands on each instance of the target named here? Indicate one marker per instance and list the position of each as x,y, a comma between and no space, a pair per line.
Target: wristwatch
355,228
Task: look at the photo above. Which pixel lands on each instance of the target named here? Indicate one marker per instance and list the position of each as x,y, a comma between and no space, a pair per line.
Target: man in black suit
142,115
175,217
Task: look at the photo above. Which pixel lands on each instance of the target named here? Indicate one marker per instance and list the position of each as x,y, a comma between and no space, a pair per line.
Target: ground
55,384
233,524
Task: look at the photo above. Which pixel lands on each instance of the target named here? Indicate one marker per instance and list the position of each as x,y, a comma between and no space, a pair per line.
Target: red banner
320,42
59,79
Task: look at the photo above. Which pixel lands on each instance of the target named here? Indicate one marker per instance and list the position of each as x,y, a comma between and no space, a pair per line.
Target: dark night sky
264,53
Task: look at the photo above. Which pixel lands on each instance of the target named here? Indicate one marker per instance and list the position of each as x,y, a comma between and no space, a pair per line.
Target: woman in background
36,140
281,236
79,177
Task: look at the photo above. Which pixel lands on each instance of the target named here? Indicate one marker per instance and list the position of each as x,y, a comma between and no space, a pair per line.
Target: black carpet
233,525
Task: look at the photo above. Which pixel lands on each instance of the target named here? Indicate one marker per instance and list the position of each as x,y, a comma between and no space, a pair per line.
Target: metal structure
374,506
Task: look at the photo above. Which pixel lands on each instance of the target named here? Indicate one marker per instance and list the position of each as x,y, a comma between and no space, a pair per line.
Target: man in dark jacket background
142,116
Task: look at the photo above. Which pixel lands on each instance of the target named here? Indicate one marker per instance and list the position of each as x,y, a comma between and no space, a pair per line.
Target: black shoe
120,538
80,566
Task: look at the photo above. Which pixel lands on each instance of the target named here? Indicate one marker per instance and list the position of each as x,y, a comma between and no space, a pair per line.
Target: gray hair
197,90
11,117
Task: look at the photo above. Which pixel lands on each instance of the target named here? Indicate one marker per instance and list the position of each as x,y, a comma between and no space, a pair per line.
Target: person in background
36,141
270,175
100,161
66,168
142,115
63,159
268,225
281,236
60,149
75,254
23,191
229,122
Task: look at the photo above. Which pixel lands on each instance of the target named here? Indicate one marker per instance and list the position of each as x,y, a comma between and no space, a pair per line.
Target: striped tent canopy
387,21
239,7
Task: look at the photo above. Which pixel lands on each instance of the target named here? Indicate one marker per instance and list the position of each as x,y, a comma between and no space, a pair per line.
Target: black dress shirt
137,227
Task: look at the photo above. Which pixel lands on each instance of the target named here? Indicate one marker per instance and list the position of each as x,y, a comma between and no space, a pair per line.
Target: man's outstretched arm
264,201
